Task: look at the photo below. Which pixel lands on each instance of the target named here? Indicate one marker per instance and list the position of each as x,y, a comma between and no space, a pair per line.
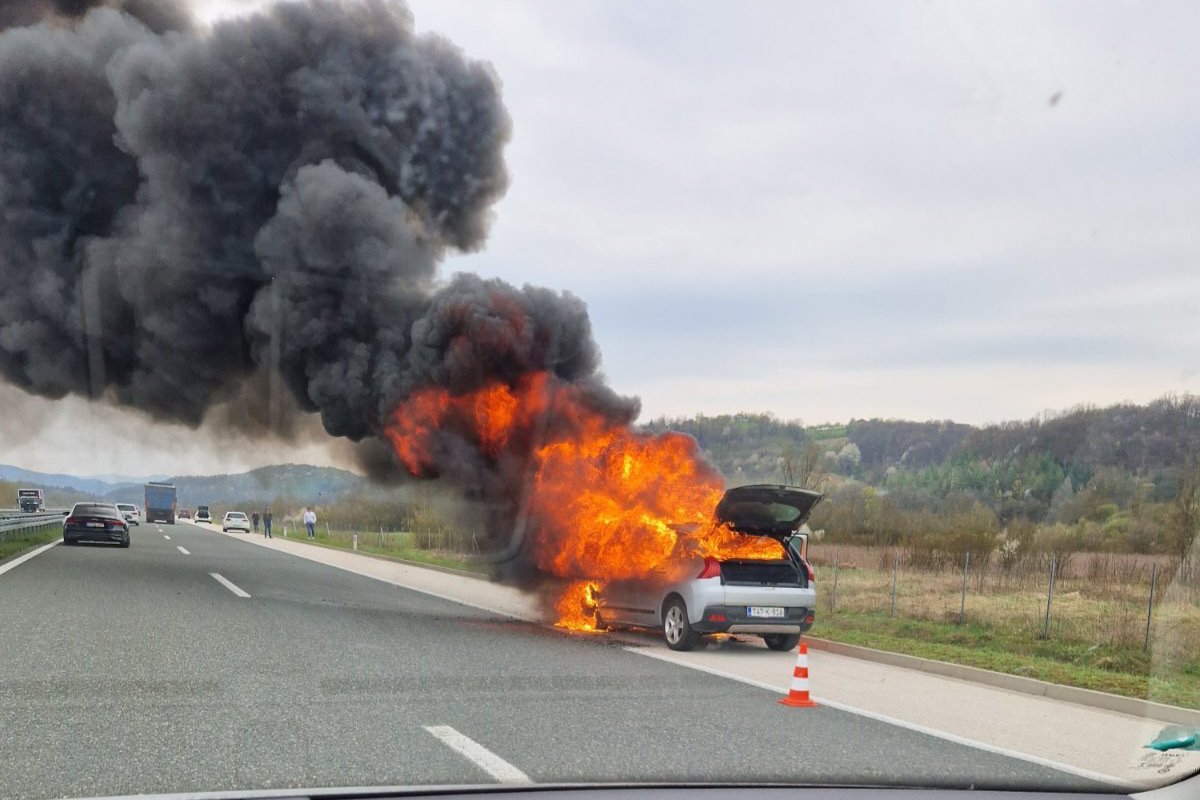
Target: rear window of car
95,510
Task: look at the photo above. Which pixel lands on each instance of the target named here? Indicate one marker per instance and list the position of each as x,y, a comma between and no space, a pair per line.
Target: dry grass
1098,610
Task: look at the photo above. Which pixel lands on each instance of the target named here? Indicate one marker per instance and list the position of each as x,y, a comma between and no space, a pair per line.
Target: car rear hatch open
767,510
772,511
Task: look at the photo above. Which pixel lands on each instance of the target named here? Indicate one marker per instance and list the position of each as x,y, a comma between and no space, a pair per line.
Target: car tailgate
771,583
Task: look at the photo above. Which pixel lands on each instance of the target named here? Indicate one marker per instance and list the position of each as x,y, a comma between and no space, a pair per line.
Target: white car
235,521
694,596
132,513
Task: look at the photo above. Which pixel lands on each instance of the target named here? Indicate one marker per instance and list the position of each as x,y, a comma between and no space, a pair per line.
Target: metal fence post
962,604
895,572
833,597
1150,605
1049,597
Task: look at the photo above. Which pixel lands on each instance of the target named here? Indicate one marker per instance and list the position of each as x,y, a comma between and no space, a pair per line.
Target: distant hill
93,486
1142,440
300,482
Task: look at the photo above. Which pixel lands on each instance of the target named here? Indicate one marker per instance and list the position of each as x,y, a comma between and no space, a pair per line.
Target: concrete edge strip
19,560
1132,706
912,726
389,581
462,573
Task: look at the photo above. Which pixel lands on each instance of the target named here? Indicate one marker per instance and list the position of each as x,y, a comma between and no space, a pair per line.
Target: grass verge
10,548
1123,671
395,546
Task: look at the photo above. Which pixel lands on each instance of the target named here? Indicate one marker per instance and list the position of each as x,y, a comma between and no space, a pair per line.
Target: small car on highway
235,521
131,513
184,513
202,514
693,596
95,522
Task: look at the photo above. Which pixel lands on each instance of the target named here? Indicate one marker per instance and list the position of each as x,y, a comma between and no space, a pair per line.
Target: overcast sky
828,210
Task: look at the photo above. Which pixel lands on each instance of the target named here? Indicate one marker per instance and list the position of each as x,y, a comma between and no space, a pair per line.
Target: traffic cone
798,697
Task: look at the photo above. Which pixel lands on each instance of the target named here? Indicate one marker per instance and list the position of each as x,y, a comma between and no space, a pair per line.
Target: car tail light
809,618
808,568
712,568
71,521
716,617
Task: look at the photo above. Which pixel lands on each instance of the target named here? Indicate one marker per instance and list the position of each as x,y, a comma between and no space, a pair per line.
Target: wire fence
1110,598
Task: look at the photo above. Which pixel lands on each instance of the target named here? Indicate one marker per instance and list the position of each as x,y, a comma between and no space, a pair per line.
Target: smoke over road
185,212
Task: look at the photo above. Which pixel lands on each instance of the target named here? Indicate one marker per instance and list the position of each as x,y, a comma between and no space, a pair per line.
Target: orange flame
608,502
576,606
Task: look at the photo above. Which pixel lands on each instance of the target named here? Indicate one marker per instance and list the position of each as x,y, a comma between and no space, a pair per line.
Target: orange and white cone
797,696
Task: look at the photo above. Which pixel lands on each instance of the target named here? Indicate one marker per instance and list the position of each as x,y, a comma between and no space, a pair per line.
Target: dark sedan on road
95,522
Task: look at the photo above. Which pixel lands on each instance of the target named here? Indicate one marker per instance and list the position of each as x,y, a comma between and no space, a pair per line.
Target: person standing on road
267,522
310,522
254,521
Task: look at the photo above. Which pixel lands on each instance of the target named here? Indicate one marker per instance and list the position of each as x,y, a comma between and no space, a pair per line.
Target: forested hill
1138,439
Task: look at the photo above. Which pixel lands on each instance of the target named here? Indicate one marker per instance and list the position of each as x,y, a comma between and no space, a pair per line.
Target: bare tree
1185,513
807,468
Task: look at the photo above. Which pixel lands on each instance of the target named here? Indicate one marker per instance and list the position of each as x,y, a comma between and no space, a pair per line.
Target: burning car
692,596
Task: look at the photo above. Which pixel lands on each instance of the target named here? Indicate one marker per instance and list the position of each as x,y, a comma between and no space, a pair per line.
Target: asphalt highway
195,662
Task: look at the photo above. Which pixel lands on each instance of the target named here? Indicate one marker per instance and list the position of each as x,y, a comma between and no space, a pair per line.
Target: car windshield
673,393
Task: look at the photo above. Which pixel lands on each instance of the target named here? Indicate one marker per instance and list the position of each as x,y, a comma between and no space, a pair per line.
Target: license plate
764,611
95,525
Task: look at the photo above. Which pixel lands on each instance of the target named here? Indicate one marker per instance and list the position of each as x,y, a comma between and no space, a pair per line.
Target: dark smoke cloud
187,218
159,16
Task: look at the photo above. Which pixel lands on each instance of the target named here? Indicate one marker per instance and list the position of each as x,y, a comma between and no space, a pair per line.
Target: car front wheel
676,629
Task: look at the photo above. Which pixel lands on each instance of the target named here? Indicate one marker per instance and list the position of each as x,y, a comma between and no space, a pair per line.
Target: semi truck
160,502
31,500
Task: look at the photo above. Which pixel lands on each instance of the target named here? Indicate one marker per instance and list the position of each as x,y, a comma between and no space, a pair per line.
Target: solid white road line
180,549
912,726
168,538
479,755
16,562
228,584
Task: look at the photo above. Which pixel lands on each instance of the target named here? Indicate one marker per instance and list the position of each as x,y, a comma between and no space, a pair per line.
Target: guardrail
11,527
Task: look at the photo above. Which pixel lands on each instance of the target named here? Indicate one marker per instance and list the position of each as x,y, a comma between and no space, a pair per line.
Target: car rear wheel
677,630
125,543
782,641
67,542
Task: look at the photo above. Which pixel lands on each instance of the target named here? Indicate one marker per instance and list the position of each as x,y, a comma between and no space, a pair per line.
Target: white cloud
827,210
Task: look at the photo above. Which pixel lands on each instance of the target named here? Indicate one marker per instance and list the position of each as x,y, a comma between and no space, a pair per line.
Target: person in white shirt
310,521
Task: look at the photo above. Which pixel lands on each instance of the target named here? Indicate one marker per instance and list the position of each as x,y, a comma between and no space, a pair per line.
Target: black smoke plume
159,16
186,212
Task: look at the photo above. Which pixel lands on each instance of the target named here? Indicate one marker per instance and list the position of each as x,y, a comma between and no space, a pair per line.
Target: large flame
606,502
